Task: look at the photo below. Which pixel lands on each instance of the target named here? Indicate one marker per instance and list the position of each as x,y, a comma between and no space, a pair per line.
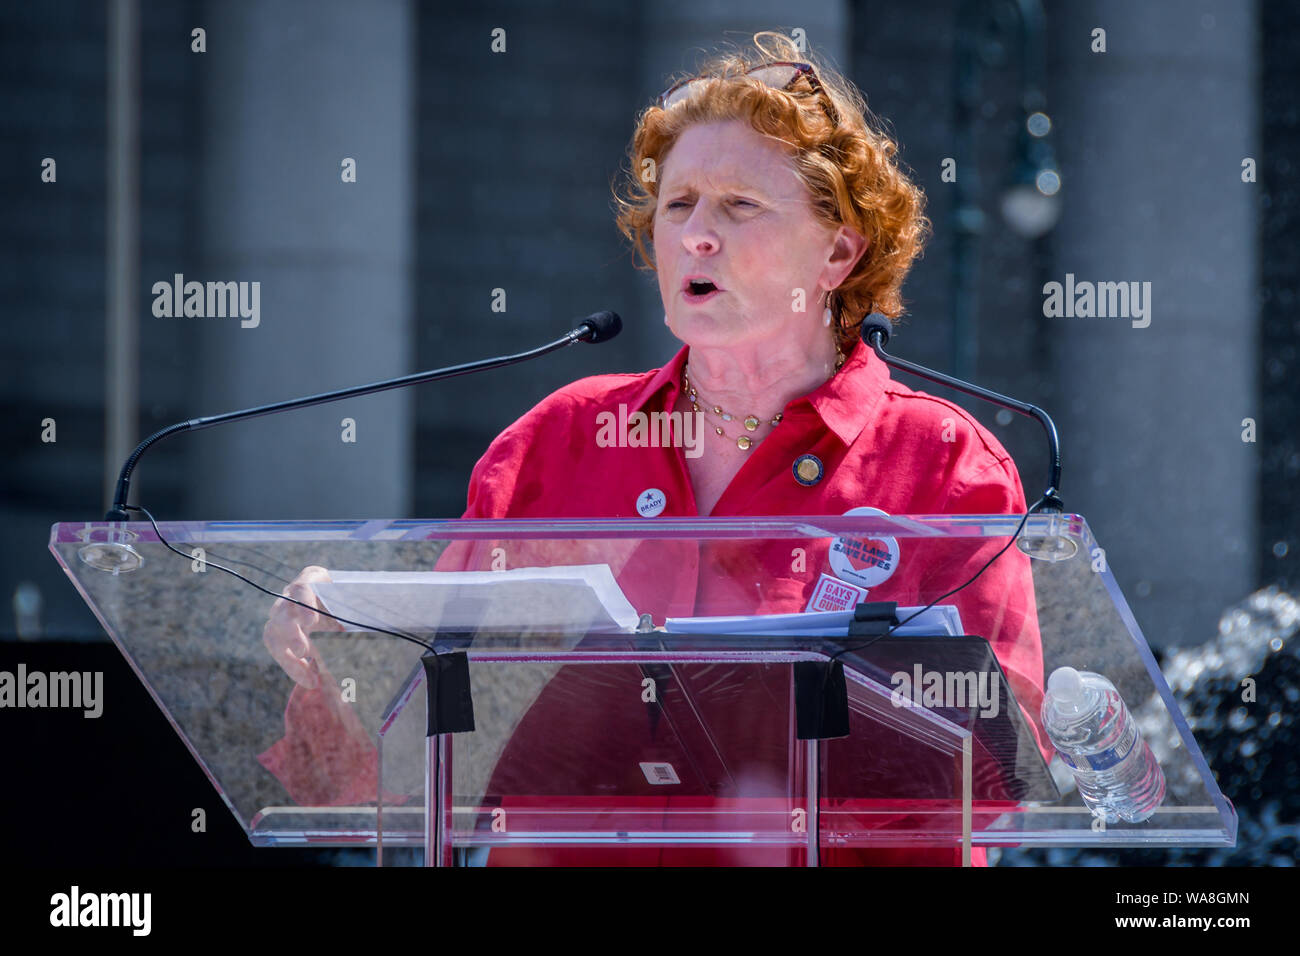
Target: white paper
940,619
573,597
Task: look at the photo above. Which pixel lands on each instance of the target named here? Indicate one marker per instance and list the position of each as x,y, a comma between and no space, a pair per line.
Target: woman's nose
698,234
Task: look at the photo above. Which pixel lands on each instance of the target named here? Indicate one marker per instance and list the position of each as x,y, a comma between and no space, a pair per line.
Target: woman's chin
700,330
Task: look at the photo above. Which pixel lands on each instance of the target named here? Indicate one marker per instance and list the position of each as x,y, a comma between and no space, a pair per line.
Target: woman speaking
775,218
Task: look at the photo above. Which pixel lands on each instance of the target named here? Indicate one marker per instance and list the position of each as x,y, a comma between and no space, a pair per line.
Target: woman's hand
285,634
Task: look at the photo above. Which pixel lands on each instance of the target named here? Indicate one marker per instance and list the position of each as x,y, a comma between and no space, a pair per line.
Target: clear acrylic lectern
637,690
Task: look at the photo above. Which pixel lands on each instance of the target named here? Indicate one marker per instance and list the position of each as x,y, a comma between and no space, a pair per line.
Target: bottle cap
1065,688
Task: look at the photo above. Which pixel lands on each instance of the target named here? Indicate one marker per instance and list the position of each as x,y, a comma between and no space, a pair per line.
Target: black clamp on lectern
821,697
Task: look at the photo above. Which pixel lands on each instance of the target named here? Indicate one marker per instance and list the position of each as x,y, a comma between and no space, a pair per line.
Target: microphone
597,327
603,326
876,330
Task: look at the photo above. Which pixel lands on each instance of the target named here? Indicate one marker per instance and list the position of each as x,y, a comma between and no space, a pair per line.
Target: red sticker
832,594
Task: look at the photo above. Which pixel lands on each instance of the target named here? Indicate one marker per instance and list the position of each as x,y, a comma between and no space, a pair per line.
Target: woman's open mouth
700,290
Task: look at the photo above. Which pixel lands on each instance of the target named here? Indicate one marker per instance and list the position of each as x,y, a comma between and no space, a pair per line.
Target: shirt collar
845,402
670,376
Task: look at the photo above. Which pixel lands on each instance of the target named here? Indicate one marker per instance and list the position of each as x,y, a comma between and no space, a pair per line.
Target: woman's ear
850,246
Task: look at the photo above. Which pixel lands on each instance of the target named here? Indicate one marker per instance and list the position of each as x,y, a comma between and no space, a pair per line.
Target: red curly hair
847,164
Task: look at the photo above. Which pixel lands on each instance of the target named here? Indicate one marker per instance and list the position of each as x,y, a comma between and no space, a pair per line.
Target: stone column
1152,135
292,89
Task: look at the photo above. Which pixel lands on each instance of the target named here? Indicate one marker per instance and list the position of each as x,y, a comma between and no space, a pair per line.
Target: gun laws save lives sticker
864,560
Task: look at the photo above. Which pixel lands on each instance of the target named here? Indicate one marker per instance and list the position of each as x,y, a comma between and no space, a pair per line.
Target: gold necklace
751,422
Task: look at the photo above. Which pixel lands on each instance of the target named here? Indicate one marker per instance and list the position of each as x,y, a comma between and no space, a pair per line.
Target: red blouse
880,444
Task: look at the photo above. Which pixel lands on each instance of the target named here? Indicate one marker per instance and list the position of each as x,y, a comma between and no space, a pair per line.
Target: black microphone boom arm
875,333
597,327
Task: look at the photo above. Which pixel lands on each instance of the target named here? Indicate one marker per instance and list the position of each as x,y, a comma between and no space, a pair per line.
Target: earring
828,317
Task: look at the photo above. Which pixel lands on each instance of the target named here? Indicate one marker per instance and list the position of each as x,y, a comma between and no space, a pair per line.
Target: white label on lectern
659,773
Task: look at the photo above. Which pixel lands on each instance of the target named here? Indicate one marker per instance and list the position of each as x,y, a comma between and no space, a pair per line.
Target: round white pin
864,561
651,503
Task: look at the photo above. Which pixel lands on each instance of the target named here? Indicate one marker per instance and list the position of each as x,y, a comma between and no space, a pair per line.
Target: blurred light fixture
1031,202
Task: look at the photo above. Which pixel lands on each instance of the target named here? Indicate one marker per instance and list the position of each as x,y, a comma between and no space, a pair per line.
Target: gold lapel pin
808,470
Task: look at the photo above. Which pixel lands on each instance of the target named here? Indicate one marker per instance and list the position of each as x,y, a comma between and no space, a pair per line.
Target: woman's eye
679,203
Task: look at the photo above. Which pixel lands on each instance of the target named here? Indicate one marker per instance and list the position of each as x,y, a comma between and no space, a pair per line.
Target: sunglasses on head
779,76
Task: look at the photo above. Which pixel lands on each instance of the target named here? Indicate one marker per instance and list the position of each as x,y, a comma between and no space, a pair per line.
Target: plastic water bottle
1098,739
